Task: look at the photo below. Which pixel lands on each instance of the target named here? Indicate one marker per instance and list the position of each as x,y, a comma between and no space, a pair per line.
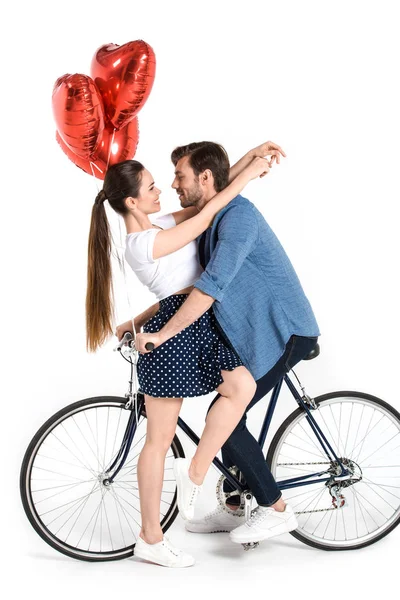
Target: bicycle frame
234,481
286,483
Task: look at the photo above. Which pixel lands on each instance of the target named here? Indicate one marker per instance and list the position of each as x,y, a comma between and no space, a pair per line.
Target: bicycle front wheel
64,486
364,432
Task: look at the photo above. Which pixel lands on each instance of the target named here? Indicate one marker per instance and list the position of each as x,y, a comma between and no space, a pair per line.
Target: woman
193,363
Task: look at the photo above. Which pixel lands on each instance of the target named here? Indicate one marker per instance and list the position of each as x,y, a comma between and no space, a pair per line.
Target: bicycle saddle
314,353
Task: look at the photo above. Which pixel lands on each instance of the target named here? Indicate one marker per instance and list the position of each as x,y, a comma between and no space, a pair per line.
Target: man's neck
206,198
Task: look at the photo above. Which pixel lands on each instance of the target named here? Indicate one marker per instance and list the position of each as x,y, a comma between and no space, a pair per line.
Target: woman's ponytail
99,294
121,181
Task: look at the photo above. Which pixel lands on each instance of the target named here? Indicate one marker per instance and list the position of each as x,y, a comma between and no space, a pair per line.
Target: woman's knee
160,443
238,383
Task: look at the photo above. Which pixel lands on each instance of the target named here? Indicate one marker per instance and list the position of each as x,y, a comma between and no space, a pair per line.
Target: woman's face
148,200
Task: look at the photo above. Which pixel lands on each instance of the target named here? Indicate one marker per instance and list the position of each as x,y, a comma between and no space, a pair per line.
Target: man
263,314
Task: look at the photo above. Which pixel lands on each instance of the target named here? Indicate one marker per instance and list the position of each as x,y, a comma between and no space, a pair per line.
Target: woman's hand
269,149
257,168
143,338
127,326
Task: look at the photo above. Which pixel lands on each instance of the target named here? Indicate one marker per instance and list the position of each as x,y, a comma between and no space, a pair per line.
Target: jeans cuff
271,503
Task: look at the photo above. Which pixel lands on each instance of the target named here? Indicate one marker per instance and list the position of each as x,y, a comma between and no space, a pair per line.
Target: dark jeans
242,449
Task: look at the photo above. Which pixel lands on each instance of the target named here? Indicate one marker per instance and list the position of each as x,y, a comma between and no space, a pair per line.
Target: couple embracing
230,316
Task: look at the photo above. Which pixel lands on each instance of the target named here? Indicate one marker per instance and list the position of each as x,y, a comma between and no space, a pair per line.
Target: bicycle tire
281,434
26,491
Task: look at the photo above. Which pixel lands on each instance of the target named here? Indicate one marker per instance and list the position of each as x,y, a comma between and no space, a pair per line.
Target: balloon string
121,261
94,177
111,145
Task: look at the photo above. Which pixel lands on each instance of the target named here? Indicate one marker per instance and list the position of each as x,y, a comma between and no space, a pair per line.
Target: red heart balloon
124,75
78,112
123,147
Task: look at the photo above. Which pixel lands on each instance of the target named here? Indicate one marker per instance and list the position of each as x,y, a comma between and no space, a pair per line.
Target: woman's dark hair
206,155
121,181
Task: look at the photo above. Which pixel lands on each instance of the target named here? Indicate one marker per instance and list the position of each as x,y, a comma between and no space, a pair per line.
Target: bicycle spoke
313,445
339,438
380,496
74,455
95,439
375,451
56,473
70,500
327,527
70,487
369,431
313,441
348,429
115,438
105,437
124,512
83,437
82,506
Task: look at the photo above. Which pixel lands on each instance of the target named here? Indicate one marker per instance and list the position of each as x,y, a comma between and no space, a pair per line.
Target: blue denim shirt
259,299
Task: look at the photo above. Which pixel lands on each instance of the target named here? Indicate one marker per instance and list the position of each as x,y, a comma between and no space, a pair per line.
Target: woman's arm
184,214
139,321
266,149
170,240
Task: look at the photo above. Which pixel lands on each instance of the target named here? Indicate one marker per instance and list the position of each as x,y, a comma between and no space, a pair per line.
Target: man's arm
237,233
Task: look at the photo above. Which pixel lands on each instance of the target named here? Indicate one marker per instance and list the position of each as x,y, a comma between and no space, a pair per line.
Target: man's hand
142,339
269,149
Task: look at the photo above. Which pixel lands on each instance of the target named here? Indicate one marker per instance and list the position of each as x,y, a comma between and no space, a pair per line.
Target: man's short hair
206,155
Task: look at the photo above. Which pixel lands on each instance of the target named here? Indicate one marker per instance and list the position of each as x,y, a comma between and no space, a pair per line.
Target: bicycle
79,487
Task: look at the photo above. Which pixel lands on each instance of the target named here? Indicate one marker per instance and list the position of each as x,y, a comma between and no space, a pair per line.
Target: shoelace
195,491
258,515
167,544
214,513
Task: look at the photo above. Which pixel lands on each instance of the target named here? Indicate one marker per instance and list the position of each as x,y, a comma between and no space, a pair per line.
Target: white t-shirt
166,275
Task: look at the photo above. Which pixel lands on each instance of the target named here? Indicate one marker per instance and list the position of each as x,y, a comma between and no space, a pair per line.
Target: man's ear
206,177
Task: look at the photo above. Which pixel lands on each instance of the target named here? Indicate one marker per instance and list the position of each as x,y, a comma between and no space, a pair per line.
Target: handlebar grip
149,346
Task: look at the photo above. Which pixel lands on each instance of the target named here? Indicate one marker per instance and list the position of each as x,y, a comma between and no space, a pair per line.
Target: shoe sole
278,530
208,530
152,560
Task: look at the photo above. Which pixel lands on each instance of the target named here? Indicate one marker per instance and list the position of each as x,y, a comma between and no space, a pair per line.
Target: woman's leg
162,416
244,450
237,389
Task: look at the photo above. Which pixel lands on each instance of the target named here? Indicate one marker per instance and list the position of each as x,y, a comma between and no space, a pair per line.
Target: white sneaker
219,520
264,523
187,490
163,553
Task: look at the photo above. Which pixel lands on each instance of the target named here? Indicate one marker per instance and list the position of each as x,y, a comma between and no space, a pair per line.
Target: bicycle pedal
250,546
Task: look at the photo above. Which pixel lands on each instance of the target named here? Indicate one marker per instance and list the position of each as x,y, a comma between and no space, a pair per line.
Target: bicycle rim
363,431
62,478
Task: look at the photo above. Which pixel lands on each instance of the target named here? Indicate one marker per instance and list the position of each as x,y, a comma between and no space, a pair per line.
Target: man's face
186,184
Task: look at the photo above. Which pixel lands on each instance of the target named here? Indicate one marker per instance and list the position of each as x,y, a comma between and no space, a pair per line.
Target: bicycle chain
304,512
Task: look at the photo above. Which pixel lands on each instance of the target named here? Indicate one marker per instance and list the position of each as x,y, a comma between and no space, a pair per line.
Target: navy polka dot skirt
190,363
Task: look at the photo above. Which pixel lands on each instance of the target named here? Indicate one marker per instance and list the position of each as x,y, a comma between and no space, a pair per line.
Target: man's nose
174,185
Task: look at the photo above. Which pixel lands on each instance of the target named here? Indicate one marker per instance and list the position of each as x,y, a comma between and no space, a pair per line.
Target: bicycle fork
135,401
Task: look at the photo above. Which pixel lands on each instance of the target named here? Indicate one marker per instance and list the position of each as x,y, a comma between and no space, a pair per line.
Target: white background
318,78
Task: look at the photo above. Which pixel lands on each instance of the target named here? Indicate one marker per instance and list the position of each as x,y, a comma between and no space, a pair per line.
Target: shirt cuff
209,287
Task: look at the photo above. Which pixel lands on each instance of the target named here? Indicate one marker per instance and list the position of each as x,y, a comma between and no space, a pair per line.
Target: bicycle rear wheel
364,432
62,476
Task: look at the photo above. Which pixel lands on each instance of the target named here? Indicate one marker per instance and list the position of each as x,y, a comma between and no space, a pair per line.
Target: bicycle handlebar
127,338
